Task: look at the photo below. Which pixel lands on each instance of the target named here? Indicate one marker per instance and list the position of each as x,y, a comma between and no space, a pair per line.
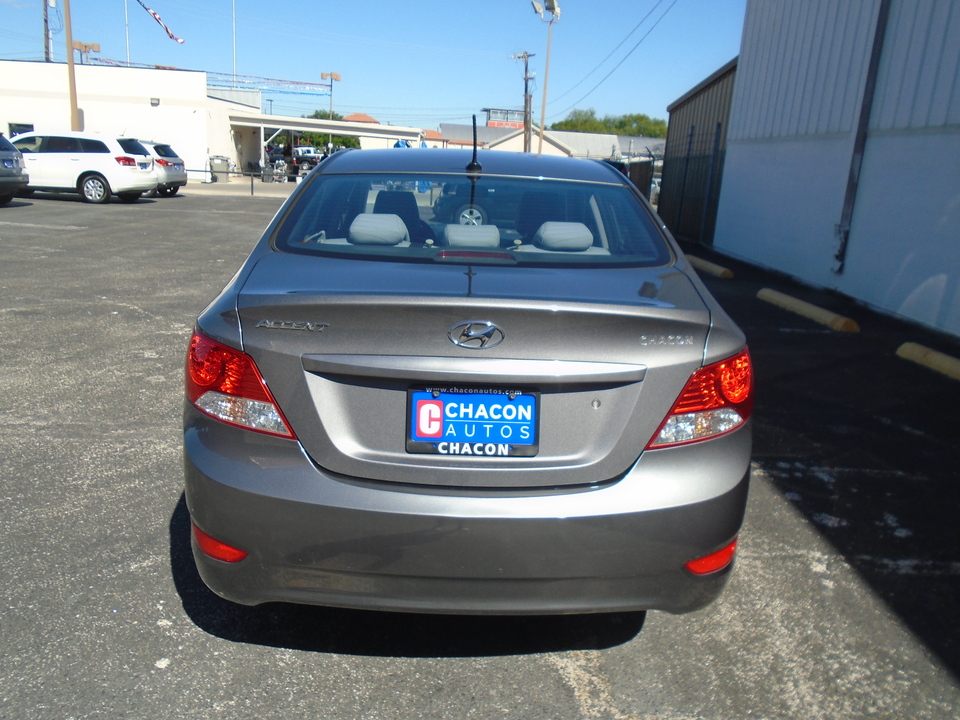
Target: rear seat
568,237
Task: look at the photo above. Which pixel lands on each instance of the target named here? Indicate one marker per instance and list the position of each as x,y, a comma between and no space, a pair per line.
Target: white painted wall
904,251
117,100
779,202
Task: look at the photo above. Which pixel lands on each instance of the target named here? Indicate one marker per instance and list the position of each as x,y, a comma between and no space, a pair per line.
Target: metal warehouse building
693,157
842,161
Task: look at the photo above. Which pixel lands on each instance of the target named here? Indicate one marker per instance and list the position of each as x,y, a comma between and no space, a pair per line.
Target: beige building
162,105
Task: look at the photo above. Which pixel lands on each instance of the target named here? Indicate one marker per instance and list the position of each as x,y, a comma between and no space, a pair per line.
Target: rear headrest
564,236
472,235
377,230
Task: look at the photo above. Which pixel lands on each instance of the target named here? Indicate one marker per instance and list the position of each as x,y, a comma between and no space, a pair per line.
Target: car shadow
75,197
861,442
386,634
17,201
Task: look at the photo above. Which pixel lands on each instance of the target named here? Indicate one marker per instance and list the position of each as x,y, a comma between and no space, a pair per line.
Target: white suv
95,166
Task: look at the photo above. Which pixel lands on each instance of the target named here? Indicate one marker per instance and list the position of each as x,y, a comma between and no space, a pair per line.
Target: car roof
493,162
74,133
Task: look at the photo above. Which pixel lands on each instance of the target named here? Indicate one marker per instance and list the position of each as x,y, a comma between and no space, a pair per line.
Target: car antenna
474,167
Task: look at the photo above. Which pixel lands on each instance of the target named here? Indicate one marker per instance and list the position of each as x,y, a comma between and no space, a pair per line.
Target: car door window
28,145
93,146
56,144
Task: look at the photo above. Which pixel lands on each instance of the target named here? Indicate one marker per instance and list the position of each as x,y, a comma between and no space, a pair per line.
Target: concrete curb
932,359
812,312
710,268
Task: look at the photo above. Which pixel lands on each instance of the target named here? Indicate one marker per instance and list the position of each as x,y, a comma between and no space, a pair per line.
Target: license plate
471,422
144,166
177,166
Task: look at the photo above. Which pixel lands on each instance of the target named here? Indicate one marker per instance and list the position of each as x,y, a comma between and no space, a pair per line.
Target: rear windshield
492,219
164,151
132,147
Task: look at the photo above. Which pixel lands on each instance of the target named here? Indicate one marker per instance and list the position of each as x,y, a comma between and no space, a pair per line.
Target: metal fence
690,185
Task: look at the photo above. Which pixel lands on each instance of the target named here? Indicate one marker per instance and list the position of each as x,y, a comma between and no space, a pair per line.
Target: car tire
94,188
129,197
168,191
4,199
470,215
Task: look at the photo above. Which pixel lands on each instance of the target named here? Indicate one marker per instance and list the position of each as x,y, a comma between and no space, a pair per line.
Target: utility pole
47,38
331,76
75,123
527,98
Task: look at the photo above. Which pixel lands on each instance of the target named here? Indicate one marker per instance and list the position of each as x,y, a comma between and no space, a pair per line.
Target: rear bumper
13,183
320,539
171,179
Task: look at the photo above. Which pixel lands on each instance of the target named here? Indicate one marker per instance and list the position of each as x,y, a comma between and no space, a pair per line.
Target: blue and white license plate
144,166
480,422
177,166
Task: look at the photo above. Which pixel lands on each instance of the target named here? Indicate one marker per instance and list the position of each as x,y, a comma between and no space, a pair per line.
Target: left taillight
716,400
225,384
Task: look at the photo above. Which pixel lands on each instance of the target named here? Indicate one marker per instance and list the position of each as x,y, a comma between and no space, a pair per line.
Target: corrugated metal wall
693,157
802,68
920,71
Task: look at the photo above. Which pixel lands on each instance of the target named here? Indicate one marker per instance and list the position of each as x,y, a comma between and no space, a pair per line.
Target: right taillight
125,161
717,399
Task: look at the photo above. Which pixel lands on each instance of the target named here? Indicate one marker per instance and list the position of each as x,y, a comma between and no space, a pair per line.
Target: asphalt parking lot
844,602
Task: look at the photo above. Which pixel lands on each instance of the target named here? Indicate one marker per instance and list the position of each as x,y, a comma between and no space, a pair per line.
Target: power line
627,37
615,67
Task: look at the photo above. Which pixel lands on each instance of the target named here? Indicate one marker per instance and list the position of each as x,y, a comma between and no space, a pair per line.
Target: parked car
96,166
455,204
170,169
551,415
306,156
13,177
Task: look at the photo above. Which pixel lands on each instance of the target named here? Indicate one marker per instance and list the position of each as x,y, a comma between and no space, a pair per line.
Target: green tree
631,124
581,121
320,140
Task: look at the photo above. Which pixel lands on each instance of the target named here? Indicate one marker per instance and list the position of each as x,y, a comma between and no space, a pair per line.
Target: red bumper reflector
714,561
216,549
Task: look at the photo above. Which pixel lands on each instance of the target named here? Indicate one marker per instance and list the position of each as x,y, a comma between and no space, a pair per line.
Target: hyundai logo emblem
475,335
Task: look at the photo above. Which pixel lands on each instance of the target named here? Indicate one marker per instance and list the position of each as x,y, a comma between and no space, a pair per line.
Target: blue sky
417,63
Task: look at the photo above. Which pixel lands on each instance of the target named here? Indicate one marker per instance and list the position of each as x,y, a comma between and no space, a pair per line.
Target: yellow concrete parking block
710,268
807,310
922,355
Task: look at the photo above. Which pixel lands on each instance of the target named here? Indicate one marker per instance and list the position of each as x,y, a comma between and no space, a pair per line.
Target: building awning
272,124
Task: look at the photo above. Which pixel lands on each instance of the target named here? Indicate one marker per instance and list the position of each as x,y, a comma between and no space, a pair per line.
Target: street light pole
554,9
331,76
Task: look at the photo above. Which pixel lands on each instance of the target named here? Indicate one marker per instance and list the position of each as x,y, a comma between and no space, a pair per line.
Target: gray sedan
549,414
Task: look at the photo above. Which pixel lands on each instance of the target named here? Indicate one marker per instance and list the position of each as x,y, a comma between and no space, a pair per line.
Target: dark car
387,411
456,204
13,176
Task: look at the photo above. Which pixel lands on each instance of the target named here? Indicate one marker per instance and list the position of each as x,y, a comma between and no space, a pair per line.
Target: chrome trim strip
484,370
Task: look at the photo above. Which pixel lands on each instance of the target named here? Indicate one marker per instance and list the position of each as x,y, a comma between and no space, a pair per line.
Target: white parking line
44,227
